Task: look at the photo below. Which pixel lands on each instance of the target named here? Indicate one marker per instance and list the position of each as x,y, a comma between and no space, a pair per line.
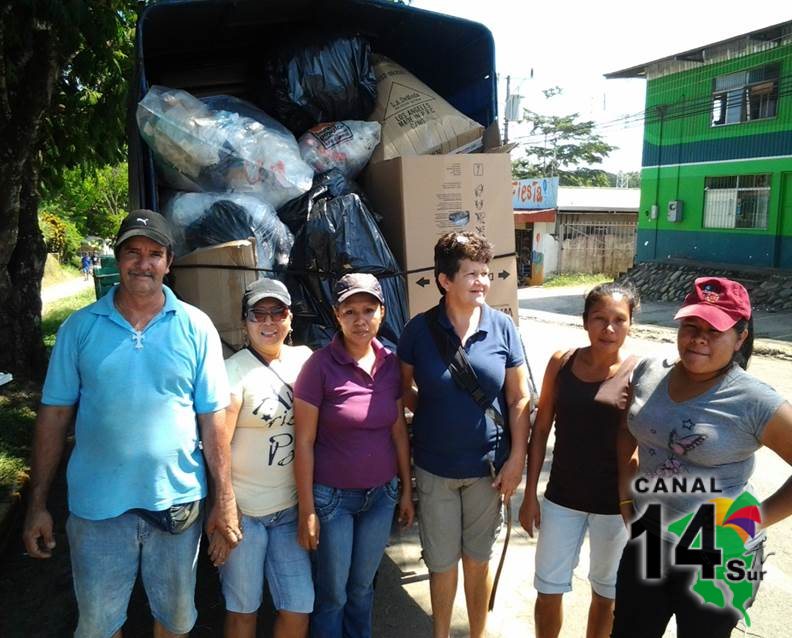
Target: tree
63,78
563,145
93,199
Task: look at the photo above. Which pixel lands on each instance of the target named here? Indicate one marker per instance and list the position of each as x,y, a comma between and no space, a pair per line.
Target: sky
571,44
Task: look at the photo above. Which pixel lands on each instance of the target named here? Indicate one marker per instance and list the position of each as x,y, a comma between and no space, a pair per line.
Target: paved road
65,289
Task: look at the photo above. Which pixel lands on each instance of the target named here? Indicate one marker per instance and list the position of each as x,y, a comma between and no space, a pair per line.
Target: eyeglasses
259,315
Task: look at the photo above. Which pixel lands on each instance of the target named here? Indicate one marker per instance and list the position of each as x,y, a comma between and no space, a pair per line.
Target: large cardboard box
423,197
218,291
422,292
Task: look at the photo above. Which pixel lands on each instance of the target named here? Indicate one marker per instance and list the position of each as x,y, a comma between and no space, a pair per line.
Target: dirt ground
38,599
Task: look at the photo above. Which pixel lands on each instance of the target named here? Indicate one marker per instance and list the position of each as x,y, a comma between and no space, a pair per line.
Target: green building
716,176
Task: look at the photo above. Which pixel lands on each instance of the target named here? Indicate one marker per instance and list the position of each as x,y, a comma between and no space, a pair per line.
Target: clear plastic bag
207,219
221,144
345,145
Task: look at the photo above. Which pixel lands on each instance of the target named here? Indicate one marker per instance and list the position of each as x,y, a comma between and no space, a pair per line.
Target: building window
745,96
740,201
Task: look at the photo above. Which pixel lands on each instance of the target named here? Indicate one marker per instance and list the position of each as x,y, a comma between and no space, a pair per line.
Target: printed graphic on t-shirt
679,446
276,412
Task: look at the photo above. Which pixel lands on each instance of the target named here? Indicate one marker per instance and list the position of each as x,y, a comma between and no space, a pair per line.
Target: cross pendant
138,339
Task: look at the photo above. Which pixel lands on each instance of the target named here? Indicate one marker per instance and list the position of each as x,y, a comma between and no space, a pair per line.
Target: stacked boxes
421,197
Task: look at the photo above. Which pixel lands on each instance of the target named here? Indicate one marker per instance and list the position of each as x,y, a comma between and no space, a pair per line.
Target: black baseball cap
145,223
353,283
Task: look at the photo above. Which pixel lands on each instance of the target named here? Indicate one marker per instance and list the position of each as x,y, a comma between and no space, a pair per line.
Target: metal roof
700,54
598,199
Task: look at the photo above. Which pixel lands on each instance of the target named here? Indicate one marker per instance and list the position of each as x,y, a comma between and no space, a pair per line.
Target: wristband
625,501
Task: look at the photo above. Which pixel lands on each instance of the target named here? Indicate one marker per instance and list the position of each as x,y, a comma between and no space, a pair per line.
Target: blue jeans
106,556
354,530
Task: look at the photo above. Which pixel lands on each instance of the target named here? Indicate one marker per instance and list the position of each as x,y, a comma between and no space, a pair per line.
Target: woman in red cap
690,436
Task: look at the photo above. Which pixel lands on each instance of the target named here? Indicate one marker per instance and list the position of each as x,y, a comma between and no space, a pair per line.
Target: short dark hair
596,294
453,247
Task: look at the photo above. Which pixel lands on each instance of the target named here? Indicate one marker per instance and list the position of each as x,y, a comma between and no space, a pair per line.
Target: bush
60,235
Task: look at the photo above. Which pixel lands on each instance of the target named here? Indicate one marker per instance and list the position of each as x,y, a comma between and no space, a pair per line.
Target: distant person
85,266
95,263
585,393
700,415
144,374
261,420
468,460
351,445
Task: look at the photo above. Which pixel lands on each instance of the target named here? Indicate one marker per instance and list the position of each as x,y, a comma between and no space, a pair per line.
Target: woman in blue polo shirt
466,462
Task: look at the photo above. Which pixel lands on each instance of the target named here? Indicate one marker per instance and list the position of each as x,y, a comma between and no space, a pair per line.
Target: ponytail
743,355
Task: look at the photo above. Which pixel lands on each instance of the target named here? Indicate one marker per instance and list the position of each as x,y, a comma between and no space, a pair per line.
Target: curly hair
453,247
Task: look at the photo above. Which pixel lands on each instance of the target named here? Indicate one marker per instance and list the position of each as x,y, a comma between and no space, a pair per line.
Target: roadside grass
17,415
19,399
56,272
55,313
575,279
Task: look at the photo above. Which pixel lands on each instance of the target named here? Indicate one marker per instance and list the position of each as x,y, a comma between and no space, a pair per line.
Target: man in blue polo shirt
144,374
466,462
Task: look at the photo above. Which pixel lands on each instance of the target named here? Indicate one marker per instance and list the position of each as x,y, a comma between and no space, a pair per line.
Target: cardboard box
422,292
423,197
217,291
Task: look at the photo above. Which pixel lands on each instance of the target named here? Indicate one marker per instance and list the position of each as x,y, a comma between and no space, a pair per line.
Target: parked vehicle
211,47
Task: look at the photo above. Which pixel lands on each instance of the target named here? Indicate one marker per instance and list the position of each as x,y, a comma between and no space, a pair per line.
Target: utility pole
505,115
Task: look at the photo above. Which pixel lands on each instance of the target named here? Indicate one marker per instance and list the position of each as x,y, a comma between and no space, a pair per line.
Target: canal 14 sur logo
722,539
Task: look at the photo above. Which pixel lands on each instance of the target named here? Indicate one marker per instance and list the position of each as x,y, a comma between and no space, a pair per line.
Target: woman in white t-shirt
261,418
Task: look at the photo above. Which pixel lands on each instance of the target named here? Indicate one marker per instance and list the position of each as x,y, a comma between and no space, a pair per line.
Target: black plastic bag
208,219
340,236
325,186
320,80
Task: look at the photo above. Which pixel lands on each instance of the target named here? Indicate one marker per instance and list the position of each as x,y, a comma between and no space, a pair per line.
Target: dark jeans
354,530
644,607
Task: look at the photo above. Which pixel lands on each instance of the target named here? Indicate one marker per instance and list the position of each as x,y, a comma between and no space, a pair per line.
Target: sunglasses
259,315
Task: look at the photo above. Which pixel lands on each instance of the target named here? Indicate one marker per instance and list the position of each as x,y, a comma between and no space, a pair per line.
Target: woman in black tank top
584,392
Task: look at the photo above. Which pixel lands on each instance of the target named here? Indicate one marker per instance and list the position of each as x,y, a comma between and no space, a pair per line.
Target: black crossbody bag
463,374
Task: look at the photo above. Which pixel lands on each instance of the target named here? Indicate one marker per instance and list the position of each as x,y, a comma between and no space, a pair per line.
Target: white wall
545,244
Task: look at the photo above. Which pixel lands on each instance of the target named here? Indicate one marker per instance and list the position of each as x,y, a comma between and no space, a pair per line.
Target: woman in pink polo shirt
351,442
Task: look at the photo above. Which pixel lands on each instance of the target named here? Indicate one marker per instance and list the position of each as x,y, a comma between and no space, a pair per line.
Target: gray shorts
456,517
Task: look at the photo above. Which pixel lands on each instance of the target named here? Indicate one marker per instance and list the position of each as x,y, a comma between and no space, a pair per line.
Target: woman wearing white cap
261,418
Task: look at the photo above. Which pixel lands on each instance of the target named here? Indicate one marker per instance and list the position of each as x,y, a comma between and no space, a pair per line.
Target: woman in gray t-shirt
690,436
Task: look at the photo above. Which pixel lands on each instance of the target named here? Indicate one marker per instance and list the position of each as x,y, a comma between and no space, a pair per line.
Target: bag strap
270,368
463,374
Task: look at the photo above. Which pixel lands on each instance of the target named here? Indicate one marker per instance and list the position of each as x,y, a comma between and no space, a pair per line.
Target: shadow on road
38,600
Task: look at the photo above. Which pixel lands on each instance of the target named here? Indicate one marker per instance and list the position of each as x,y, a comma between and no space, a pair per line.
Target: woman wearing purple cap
686,454
351,444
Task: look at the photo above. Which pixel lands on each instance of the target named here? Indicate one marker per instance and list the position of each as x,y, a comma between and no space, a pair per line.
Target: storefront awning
531,216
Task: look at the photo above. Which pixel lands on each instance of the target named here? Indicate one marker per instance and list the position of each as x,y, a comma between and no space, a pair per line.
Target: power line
682,109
